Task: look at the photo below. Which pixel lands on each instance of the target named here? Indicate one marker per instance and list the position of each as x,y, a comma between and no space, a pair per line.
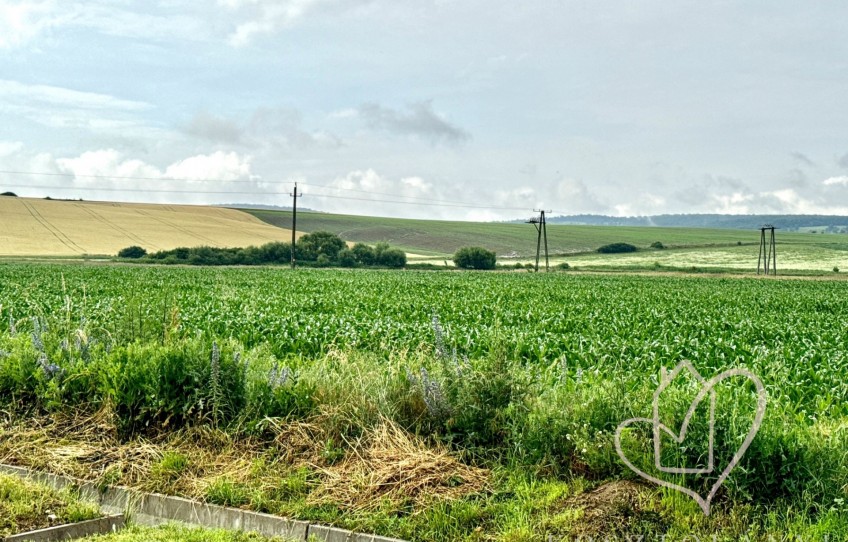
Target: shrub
617,248
364,254
563,266
134,251
276,252
835,269
392,257
474,258
313,245
657,245
10,194
347,258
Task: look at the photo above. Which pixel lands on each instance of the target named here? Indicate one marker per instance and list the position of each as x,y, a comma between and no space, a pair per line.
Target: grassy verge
429,447
27,506
174,533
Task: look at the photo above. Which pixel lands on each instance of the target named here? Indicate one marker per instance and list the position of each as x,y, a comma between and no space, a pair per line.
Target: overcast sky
480,109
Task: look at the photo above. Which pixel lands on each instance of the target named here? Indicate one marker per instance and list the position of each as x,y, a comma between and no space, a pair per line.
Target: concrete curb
104,525
151,509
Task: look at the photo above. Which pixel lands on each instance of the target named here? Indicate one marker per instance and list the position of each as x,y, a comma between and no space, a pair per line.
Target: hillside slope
439,238
37,227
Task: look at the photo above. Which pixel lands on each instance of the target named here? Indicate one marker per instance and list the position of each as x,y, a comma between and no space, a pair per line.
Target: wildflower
36,335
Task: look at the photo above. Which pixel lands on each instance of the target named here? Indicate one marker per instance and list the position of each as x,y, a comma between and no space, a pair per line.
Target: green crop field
436,240
432,405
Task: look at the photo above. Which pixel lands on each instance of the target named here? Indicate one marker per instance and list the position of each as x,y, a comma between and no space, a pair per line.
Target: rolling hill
38,227
439,238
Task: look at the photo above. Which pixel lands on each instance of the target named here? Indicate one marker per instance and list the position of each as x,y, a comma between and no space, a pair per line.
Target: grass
37,227
176,533
435,241
28,506
427,406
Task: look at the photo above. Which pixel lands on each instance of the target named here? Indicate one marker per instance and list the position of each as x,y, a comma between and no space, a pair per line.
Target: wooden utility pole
294,196
541,232
768,250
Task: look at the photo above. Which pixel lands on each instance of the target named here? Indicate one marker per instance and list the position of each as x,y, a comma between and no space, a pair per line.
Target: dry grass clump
87,448
389,463
385,463
613,508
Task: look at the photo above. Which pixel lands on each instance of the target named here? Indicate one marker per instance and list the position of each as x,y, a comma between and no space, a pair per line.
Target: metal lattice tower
768,250
542,232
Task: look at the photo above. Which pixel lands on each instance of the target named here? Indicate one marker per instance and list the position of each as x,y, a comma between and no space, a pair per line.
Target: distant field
37,227
437,240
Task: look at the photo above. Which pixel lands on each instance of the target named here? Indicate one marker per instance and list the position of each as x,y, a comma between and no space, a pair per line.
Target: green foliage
171,466
312,246
474,258
320,249
347,258
391,257
617,248
364,254
528,373
657,245
26,506
134,251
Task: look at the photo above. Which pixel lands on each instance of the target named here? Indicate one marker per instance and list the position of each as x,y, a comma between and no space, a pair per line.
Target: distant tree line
317,249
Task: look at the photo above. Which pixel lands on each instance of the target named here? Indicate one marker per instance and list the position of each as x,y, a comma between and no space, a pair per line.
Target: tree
347,258
134,251
275,252
392,257
474,258
10,194
318,243
364,254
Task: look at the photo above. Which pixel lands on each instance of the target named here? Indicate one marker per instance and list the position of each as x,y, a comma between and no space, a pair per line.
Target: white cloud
840,180
8,148
22,21
266,16
47,95
106,162
109,175
219,165
367,192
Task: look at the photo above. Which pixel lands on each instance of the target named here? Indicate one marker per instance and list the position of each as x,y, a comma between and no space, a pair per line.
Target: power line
139,178
263,193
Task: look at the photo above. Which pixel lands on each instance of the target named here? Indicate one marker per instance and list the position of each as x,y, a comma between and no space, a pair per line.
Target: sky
454,109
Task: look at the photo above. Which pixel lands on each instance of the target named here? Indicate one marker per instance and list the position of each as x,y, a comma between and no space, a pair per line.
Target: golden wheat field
37,227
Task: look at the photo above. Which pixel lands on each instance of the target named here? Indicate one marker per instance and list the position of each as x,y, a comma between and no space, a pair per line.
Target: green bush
364,254
391,257
617,248
474,258
657,245
134,251
347,258
320,243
